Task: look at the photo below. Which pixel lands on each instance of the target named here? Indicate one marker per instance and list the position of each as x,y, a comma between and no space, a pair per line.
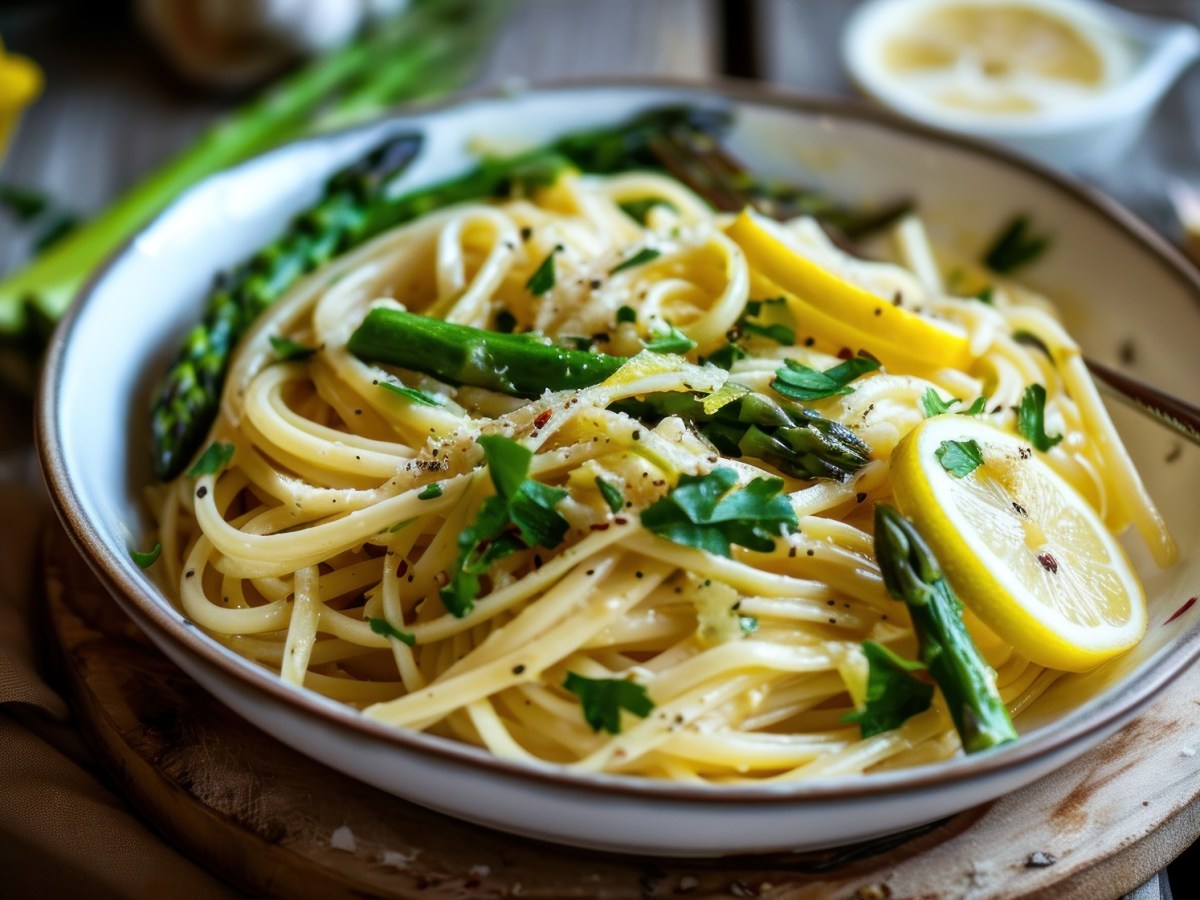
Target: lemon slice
844,312
989,57
1020,546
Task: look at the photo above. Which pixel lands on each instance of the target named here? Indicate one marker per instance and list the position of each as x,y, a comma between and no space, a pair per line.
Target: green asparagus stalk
912,574
189,399
794,439
425,52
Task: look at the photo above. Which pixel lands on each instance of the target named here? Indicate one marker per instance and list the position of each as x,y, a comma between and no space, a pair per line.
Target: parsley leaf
386,628
604,698
431,492
672,340
893,694
416,396
726,356
626,314
1015,247
1031,418
518,501
639,210
612,496
701,511
959,458
984,295
214,458
645,255
145,559
288,350
780,334
543,279
933,405
800,382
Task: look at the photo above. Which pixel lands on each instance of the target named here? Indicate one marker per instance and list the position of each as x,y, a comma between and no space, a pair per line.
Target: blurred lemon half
20,83
1025,552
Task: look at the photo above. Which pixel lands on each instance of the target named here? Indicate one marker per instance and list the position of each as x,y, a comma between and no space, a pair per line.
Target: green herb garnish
387,629
933,405
432,491
959,458
543,279
416,396
289,351
519,501
612,496
800,382
893,694
145,559
726,356
214,458
639,210
1031,418
645,255
669,340
1015,247
604,698
702,511
626,314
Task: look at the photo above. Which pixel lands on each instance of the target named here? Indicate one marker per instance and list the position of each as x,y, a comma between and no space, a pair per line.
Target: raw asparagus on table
911,573
429,50
794,439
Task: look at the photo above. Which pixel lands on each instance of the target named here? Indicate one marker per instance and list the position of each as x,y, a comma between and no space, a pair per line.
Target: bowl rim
1110,711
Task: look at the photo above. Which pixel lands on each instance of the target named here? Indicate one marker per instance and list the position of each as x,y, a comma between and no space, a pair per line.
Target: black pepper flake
897,298
595,283
358,412
832,620
878,311
809,341
831,603
591,571
791,552
1040,860
526,233
518,669
1175,452
190,573
638,575
1127,352
811,552
860,496
637,434
202,491
1019,509
537,560
1049,563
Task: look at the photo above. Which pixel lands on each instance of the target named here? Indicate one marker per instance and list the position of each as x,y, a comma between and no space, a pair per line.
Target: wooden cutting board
275,823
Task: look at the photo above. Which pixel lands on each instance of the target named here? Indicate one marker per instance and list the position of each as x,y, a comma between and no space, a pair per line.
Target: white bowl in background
1116,281
1145,54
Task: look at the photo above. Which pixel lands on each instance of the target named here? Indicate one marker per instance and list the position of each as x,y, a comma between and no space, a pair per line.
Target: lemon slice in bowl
844,312
1022,549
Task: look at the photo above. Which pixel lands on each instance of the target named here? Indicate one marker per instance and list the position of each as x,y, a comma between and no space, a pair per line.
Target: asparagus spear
188,401
188,397
427,51
912,574
791,437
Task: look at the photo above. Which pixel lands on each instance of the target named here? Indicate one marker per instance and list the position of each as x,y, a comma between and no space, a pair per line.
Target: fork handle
1179,415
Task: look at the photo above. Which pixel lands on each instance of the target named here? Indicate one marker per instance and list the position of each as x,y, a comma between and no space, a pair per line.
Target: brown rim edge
139,604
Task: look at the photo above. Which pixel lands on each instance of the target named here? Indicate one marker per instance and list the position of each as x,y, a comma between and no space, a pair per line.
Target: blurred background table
112,110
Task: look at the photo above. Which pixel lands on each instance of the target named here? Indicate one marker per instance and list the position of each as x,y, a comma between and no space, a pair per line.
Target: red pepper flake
1191,601
600,526
402,569
620,520
543,418
845,353
1049,563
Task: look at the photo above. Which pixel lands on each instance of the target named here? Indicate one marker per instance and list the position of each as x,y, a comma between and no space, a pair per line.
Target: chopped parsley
612,496
984,295
800,382
387,629
1031,418
145,559
724,357
214,458
416,396
604,698
643,256
431,492
669,340
626,314
1015,247
893,694
933,405
542,280
290,351
703,511
959,458
639,210
519,501
1029,339
779,333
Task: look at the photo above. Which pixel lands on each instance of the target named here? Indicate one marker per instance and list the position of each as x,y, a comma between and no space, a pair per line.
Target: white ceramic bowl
1116,281
1151,53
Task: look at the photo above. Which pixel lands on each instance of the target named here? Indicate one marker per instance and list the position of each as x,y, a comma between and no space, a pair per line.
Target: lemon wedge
1022,549
992,57
845,313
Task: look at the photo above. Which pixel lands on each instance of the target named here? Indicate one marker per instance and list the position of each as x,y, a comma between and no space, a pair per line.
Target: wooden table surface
112,110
